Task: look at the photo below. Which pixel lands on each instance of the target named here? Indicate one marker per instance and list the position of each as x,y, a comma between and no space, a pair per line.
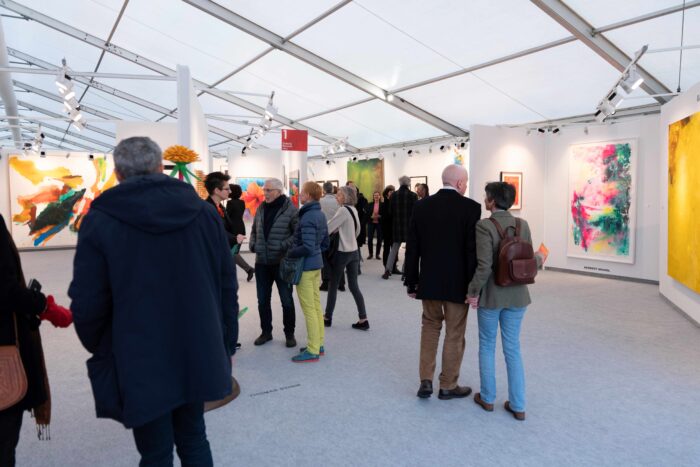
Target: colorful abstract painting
515,179
601,201
294,187
683,200
368,176
50,197
252,195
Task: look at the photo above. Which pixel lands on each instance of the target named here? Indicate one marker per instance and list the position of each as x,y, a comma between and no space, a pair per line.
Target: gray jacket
272,249
329,205
487,241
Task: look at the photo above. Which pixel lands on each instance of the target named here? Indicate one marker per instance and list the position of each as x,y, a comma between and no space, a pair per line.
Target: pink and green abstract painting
601,201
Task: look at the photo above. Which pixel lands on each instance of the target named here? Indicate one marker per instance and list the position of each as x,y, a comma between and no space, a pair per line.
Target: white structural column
322,64
584,32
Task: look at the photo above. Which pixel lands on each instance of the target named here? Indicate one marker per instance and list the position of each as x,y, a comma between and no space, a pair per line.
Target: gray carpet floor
612,377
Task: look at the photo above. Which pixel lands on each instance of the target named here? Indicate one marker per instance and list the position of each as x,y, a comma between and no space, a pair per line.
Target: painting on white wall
601,220
51,195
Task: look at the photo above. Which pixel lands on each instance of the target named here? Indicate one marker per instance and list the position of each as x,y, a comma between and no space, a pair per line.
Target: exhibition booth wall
644,228
685,298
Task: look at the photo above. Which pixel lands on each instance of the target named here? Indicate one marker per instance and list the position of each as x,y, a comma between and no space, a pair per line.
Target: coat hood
152,203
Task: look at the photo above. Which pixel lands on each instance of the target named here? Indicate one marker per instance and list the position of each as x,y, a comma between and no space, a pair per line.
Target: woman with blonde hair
310,239
347,223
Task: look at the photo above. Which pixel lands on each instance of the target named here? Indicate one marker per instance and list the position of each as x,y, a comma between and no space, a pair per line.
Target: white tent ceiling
331,63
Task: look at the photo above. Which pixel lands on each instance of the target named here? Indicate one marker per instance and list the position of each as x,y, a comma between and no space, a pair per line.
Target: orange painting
515,179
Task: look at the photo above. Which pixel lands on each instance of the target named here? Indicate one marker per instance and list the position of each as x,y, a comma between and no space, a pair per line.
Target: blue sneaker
321,351
304,357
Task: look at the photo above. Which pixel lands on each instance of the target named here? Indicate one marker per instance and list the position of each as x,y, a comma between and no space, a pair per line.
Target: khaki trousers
455,317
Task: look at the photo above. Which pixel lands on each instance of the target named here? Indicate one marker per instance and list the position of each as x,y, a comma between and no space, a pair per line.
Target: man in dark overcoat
401,208
440,263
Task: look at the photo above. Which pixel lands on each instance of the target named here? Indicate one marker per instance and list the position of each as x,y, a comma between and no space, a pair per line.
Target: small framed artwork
418,179
515,179
335,183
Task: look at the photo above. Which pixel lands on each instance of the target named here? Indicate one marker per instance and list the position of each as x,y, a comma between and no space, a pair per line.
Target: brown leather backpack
516,263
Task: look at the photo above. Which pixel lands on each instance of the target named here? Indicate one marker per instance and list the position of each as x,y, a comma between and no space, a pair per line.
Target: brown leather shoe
457,392
518,415
484,405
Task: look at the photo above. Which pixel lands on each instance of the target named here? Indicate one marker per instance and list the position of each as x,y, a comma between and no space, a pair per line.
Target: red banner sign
295,140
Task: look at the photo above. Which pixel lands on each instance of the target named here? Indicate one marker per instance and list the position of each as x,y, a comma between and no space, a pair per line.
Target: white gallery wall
495,150
558,204
682,106
429,162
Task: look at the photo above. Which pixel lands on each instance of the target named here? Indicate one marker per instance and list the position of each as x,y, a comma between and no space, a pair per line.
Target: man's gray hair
350,195
138,155
328,187
404,180
275,184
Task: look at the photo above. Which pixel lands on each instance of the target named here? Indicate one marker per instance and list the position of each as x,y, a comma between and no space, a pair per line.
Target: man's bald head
455,176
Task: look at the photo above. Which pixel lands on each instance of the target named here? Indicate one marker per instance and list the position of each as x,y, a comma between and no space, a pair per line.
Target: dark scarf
40,411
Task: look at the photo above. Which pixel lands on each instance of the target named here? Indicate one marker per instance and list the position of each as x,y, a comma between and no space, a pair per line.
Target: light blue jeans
510,320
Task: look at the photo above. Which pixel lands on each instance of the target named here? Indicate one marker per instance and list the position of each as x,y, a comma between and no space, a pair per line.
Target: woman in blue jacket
310,238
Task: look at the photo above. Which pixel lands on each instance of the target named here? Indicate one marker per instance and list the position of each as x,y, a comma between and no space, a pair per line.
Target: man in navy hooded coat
154,297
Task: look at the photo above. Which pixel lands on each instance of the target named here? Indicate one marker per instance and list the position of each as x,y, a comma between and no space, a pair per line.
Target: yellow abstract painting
683,198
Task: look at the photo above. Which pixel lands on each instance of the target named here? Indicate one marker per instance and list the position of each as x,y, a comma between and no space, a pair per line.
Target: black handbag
291,269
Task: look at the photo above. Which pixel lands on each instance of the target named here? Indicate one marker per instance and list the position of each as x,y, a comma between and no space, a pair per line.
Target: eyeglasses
271,189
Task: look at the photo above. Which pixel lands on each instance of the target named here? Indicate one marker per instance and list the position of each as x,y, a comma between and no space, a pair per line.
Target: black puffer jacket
281,236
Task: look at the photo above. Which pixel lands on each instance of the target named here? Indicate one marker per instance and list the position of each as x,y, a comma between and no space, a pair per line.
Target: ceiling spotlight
442,148
410,153
430,149
555,130
354,158
615,98
541,130
600,116
328,162
79,125
632,80
585,130
243,151
527,133
67,155
393,154
91,157
42,154
462,144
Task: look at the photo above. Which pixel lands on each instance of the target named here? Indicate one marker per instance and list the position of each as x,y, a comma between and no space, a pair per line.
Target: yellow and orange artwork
51,196
683,199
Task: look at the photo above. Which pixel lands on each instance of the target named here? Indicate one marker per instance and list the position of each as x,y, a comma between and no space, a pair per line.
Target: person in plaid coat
401,209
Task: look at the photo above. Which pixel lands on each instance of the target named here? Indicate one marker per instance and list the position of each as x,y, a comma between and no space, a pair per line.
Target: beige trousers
455,317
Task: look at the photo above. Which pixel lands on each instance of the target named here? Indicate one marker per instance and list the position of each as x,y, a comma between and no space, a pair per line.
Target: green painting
368,176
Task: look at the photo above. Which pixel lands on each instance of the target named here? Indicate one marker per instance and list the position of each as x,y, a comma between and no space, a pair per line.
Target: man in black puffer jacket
270,238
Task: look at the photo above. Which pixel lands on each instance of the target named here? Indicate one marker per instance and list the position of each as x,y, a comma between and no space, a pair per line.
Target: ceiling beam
322,64
647,17
63,139
76,135
112,91
571,21
59,26
516,55
41,110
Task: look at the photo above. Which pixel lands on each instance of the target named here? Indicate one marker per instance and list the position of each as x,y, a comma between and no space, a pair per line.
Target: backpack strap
501,232
517,227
